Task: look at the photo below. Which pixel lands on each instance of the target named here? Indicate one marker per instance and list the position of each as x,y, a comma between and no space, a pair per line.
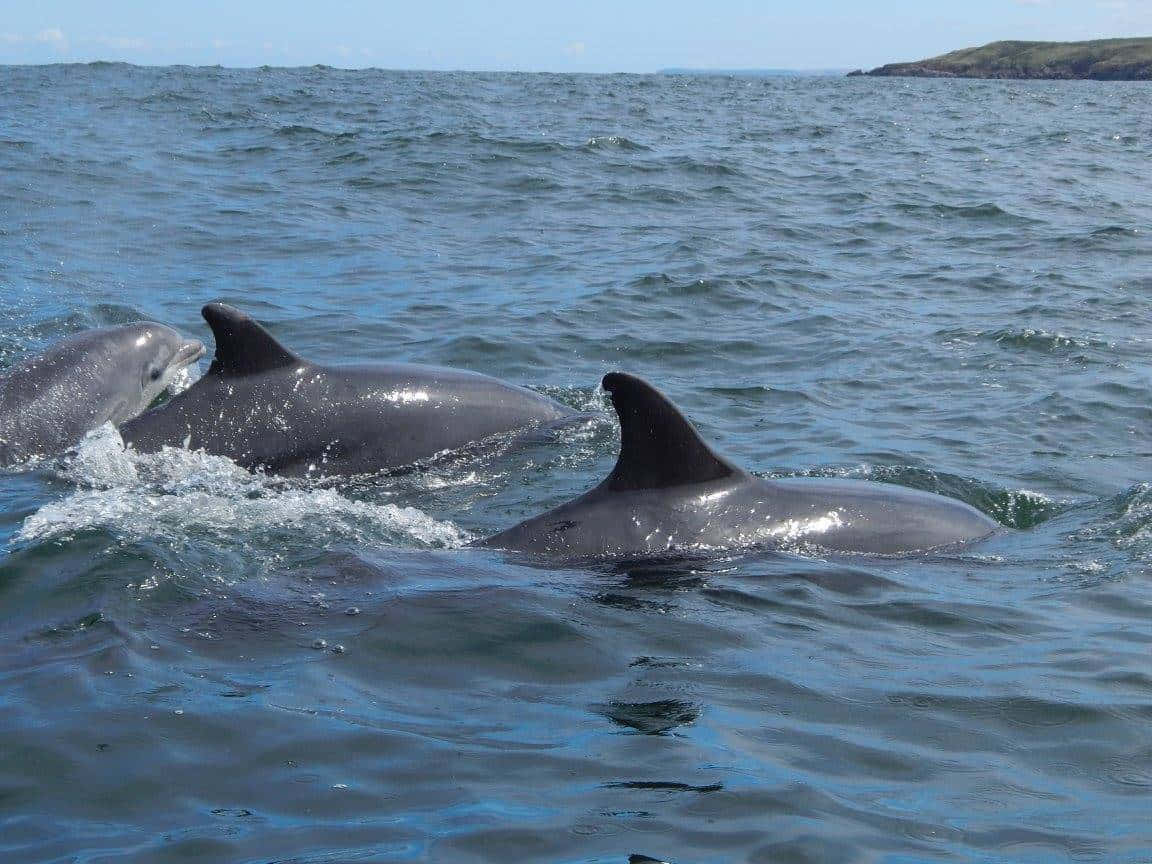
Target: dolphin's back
264,407
878,518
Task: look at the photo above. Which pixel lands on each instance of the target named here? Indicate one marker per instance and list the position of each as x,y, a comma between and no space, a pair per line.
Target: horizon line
666,70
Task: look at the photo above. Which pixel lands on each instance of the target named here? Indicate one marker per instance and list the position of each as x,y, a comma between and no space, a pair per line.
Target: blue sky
591,36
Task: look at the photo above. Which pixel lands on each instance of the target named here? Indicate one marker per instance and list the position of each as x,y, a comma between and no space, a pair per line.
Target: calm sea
941,284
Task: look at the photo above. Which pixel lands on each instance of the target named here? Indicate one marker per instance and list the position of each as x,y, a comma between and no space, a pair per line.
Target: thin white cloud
575,49
54,37
122,43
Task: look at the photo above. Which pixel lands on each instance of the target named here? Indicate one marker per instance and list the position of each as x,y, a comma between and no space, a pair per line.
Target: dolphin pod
264,407
670,492
50,401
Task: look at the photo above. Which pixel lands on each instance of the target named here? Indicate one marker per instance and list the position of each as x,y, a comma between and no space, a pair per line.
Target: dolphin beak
189,353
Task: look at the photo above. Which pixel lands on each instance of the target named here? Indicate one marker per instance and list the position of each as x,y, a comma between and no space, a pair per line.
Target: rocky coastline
1099,60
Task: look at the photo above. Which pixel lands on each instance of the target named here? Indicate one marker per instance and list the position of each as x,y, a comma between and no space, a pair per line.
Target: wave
349,157
1107,237
985,211
1013,508
614,142
705,167
1132,527
481,143
1032,339
296,130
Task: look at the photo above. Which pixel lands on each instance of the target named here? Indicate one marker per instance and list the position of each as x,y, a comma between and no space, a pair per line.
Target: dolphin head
150,355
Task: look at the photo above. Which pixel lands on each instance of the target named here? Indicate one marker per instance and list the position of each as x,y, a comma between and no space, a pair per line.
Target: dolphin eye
154,374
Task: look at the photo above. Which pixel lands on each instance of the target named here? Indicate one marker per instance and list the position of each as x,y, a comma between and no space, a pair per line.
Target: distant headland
1101,60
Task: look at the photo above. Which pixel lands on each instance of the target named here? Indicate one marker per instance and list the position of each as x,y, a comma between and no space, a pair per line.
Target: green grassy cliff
1101,59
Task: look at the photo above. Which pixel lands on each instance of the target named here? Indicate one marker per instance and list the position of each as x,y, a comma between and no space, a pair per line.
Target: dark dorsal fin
658,446
243,347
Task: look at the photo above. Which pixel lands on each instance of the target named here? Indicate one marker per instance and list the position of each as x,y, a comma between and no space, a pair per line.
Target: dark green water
938,284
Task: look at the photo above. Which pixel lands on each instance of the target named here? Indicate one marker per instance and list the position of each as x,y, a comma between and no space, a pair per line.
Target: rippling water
941,284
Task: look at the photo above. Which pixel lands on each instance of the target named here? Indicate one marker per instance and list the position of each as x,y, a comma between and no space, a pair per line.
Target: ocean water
940,284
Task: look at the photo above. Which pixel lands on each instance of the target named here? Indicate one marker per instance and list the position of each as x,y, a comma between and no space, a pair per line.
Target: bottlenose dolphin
49,402
264,407
670,492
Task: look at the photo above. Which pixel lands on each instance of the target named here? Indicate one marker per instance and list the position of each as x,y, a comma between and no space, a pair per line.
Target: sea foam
176,493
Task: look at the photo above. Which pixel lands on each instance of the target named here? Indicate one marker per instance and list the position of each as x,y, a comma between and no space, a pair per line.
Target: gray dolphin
670,492
264,407
49,402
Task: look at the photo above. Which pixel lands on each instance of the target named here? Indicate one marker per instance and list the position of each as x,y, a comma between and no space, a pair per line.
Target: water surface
940,284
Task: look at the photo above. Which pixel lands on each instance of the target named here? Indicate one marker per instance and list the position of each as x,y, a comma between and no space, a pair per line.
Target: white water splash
438,482
184,379
176,492
136,515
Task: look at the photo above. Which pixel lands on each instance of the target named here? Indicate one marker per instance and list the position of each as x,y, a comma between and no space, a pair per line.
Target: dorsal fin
658,446
243,347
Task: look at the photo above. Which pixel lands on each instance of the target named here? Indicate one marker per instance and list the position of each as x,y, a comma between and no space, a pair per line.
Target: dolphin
671,493
266,408
50,401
